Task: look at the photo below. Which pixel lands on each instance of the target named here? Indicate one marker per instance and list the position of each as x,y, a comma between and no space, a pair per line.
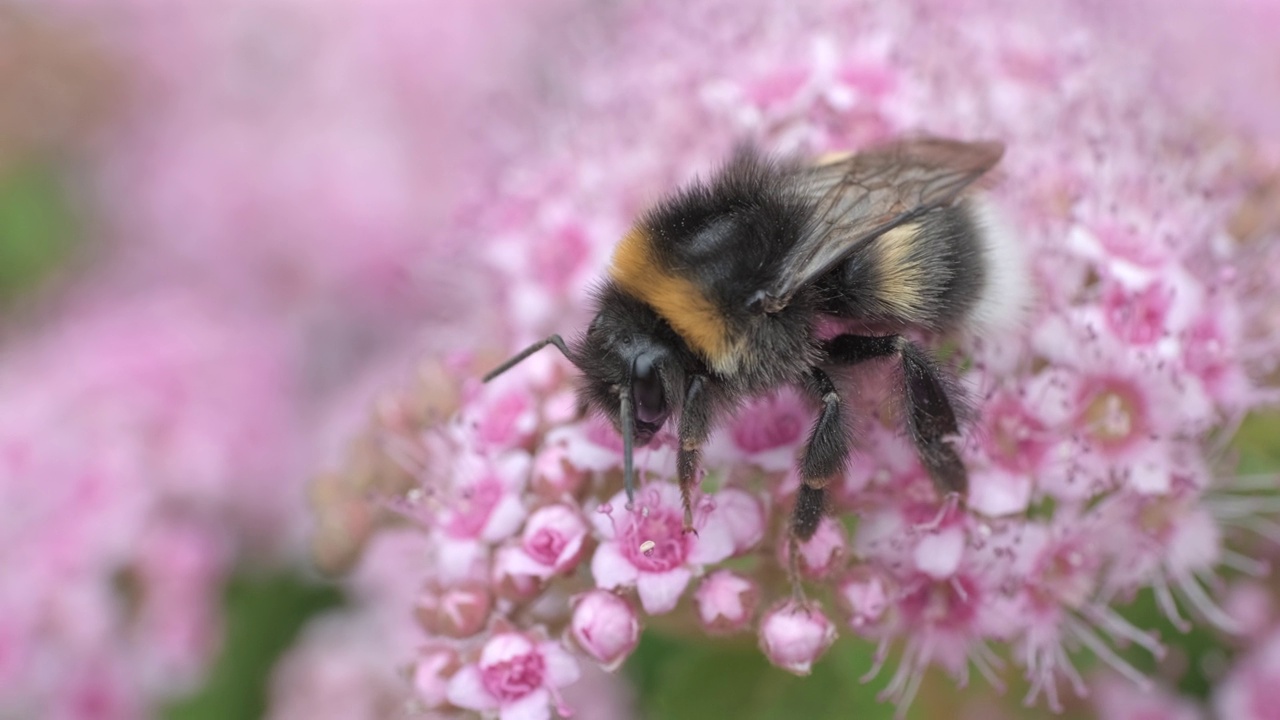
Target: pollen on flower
1113,412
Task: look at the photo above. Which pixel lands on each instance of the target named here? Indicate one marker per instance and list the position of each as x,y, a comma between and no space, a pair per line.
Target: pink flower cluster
259,185
128,438
1093,446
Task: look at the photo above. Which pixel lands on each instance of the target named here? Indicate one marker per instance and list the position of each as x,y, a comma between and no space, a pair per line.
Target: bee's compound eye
646,388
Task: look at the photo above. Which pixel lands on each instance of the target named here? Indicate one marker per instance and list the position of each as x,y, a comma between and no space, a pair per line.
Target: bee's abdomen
951,267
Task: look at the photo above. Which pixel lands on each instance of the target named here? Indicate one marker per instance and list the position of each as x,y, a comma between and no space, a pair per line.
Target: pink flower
744,514
1250,605
553,474
1095,430
726,602
1115,698
794,636
766,432
553,538
485,504
864,597
503,417
431,673
482,505
647,547
938,554
516,677
552,543
605,626
1252,688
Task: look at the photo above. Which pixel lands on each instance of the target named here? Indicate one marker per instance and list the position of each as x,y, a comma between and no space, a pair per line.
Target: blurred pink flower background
288,204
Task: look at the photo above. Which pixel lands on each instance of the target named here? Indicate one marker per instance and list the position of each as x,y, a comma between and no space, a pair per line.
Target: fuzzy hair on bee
717,292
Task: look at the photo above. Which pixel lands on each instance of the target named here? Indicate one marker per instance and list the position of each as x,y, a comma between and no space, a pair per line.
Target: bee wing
861,196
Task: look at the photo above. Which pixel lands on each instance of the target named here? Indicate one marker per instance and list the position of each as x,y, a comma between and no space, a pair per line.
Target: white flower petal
505,519
612,570
714,541
562,668
995,492
659,592
534,706
503,647
938,555
466,690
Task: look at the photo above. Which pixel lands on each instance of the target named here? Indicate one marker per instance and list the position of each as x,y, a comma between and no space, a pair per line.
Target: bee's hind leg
825,457
930,413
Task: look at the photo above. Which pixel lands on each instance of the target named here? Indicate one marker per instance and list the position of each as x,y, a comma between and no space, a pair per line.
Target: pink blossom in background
266,203
1091,445
143,442
1117,699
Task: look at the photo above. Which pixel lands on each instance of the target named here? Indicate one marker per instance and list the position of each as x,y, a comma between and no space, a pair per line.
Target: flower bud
458,611
794,635
431,675
553,537
821,554
605,626
726,602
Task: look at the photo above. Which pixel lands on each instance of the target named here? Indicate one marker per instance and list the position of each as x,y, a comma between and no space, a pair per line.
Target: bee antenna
628,432
525,353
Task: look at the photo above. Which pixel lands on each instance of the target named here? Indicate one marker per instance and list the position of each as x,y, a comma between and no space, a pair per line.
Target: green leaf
263,616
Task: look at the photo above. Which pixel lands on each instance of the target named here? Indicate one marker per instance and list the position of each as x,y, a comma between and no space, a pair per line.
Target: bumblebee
717,292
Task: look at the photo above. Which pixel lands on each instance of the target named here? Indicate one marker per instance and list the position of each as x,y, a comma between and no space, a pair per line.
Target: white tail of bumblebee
1006,299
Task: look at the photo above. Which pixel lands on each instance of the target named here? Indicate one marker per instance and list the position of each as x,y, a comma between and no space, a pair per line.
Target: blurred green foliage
38,230
263,617
678,679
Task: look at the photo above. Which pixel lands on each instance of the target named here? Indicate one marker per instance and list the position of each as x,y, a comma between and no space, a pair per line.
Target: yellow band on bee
678,300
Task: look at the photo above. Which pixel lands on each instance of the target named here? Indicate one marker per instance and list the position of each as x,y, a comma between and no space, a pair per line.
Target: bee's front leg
695,426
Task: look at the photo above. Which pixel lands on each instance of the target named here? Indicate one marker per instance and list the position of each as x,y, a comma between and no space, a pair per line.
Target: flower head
516,677
647,547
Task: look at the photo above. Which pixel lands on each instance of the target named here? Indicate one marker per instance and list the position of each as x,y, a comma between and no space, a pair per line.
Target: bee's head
632,366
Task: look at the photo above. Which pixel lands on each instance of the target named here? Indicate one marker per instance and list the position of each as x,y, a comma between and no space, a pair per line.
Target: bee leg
931,418
825,456
695,426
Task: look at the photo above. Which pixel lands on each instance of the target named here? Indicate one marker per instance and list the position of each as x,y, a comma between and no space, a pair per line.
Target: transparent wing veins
862,196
